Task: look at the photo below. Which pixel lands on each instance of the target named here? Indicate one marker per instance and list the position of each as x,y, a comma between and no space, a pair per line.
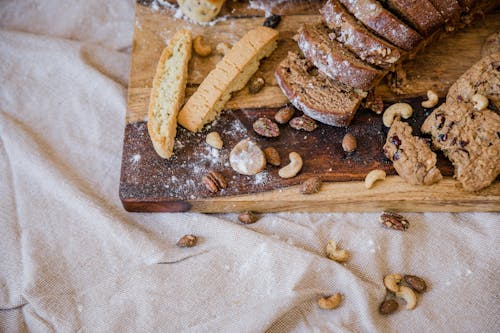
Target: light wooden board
437,67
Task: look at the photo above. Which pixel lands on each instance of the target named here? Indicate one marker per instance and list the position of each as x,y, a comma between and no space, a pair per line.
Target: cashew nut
330,303
480,102
201,49
399,109
223,48
409,296
293,167
432,99
391,282
333,253
214,140
373,176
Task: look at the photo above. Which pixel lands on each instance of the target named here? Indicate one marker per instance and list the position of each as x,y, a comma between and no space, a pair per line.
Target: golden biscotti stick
230,74
167,94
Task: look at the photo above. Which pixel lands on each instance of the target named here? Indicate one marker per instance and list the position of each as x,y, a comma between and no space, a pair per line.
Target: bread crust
293,77
383,23
421,14
162,122
357,38
335,60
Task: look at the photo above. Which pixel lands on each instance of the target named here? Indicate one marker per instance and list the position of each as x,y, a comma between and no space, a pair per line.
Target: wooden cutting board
151,184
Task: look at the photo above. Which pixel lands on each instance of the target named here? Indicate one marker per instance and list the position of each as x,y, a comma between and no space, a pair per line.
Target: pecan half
248,218
266,127
310,185
272,156
394,221
303,123
284,114
214,181
187,241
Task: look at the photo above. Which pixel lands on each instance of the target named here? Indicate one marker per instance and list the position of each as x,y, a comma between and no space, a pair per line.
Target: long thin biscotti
384,23
353,35
167,93
421,14
336,61
229,75
321,98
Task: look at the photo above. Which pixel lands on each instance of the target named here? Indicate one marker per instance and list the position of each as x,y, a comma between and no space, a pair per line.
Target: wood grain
393,194
149,183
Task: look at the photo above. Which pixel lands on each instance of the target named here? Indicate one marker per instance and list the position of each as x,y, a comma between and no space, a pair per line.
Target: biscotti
335,60
384,23
319,97
201,10
421,14
354,36
229,75
482,78
411,156
167,93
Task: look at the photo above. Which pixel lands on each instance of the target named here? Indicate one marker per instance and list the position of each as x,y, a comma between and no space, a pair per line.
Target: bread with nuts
358,39
334,60
167,93
375,17
229,75
421,14
319,97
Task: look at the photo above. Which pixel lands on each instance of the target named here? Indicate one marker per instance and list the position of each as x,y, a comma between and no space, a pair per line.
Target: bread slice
354,36
421,14
383,23
167,93
321,98
229,75
449,10
335,60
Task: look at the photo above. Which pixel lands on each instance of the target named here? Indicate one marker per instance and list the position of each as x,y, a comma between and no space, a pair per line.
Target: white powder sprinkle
135,158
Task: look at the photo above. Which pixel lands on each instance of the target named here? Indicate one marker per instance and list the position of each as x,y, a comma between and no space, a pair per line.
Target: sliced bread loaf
374,16
421,14
229,75
319,97
335,60
353,35
449,9
167,93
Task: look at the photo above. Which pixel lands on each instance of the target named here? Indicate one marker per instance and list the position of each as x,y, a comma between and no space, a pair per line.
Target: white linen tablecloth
71,259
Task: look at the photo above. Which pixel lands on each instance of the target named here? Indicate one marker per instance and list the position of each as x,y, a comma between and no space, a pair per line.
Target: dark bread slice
449,9
467,5
421,14
319,97
383,23
335,60
357,38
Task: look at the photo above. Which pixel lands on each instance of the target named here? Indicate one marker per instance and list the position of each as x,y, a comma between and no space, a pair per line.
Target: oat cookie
470,139
411,156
